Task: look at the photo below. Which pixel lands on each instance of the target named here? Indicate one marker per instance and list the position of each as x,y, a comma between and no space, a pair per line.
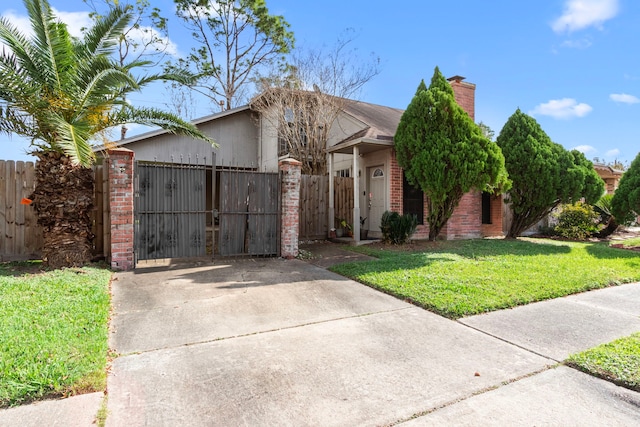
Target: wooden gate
314,204
249,213
170,210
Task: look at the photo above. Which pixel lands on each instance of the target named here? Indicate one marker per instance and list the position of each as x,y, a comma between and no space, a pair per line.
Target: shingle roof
382,121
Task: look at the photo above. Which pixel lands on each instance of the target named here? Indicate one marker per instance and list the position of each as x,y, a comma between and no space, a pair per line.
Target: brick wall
466,221
495,228
395,184
290,171
120,164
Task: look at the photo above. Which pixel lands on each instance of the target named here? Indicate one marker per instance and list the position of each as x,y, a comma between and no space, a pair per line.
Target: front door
375,198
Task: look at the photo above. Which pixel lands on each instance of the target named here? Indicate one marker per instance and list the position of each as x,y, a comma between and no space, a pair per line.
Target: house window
344,173
486,208
291,131
377,173
412,200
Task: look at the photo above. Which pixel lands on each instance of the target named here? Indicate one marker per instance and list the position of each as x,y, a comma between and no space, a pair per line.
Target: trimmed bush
397,228
577,221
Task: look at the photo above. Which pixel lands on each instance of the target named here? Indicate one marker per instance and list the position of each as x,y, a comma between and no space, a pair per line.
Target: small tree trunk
611,227
63,201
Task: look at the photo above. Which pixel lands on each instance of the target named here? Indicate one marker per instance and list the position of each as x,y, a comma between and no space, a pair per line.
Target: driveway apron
275,342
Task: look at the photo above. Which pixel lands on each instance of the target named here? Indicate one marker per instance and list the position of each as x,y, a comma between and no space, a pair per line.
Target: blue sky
572,64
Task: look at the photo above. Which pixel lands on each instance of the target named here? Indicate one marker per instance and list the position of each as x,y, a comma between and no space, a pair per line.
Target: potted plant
347,228
340,223
363,231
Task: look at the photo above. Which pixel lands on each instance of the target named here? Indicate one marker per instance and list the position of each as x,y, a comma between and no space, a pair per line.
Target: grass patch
462,278
629,243
617,361
53,331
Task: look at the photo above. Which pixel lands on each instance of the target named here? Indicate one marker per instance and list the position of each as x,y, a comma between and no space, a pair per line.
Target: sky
573,65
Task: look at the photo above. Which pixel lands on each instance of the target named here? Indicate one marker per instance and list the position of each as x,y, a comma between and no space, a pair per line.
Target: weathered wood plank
4,183
10,209
19,221
33,236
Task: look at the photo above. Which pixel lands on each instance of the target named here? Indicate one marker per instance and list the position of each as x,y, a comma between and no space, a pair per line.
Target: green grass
629,243
53,331
463,278
617,361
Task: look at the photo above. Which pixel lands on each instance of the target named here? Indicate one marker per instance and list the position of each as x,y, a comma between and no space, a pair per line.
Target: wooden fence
314,204
20,235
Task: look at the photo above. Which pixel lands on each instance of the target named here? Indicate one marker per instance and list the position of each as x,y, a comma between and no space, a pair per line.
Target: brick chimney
465,94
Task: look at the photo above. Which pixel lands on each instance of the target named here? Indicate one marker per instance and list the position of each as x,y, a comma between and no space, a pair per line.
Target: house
360,145
609,175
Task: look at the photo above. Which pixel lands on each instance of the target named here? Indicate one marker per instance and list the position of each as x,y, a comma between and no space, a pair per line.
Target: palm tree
63,93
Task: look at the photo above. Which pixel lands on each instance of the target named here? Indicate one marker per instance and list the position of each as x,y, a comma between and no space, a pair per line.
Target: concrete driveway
274,342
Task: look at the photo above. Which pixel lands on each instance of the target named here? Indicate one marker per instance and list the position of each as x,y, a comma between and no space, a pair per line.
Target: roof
601,168
379,124
158,132
382,121
380,127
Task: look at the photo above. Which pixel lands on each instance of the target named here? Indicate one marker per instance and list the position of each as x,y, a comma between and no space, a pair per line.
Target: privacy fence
20,235
314,204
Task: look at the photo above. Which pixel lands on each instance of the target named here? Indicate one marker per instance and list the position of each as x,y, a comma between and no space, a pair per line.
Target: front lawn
628,243
53,331
617,361
462,278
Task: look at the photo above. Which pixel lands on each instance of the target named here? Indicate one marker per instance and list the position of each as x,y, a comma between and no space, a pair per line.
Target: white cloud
565,108
75,21
624,98
142,36
580,14
577,44
585,149
21,22
612,153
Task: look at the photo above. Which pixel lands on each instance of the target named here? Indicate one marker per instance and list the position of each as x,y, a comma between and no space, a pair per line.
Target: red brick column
290,212
120,163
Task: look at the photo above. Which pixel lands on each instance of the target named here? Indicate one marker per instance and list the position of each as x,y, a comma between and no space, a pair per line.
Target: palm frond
73,141
15,122
51,48
102,38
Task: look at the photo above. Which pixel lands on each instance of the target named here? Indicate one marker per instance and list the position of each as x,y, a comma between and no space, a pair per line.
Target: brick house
360,145
609,175
381,184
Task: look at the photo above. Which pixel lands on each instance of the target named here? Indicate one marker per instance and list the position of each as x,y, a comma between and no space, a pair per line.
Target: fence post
120,164
290,174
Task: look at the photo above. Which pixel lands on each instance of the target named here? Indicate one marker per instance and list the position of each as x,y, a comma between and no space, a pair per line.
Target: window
486,208
412,200
377,173
344,173
290,134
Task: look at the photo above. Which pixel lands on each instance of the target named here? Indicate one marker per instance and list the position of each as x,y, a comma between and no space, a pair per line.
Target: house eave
365,146
158,132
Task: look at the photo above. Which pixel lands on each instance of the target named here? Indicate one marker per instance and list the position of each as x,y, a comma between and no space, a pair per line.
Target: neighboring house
609,175
360,145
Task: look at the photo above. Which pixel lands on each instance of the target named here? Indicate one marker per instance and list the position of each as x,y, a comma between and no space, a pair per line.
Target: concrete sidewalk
275,342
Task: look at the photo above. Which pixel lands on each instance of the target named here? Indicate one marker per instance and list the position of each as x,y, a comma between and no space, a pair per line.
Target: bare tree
303,103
